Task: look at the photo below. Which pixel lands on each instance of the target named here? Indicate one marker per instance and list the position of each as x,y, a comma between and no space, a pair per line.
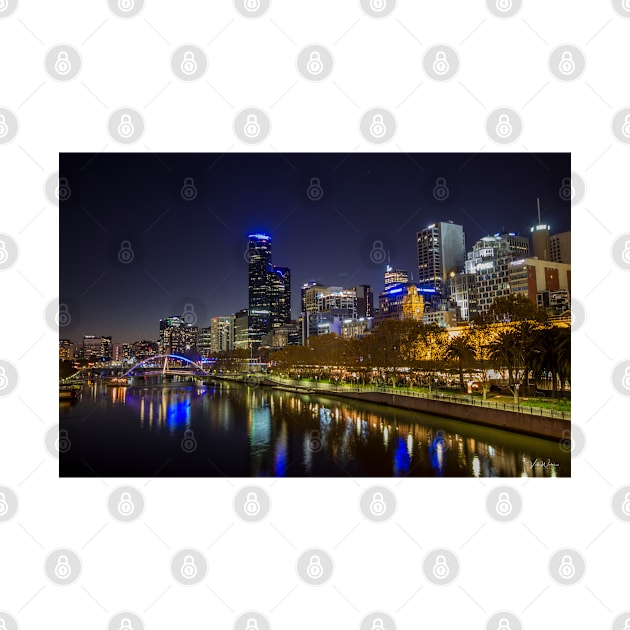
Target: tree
460,349
506,353
479,338
552,356
515,308
430,350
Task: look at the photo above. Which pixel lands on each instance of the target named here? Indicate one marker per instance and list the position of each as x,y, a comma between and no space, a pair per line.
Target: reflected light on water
264,432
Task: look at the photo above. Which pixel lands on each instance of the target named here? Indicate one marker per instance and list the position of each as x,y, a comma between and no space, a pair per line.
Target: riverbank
532,421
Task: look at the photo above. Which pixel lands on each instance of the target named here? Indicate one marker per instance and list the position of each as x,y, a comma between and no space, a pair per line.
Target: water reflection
244,431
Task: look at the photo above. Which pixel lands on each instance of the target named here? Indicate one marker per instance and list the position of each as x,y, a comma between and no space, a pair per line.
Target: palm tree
553,356
460,349
506,352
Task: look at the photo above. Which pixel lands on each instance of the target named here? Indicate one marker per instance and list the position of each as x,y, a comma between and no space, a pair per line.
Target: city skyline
189,250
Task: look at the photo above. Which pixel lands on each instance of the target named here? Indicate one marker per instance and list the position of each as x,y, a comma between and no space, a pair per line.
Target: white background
377,63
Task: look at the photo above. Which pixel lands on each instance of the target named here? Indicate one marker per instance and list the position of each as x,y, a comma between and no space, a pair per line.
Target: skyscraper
259,256
441,250
269,290
280,285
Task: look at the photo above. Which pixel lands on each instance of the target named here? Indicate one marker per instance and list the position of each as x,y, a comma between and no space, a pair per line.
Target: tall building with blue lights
269,290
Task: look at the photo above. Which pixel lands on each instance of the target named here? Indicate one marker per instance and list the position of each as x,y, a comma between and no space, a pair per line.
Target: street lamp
436,387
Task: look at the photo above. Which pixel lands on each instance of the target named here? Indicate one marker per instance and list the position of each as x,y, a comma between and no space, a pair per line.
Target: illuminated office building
441,250
269,290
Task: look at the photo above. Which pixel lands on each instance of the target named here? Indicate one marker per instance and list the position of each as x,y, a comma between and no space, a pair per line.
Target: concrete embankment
525,423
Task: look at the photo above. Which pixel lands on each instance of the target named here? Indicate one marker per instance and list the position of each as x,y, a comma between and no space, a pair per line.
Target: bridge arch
166,357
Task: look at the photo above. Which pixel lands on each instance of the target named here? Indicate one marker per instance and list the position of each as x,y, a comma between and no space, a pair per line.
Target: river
235,430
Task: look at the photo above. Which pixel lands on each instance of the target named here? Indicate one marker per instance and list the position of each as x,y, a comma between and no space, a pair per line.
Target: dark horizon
193,251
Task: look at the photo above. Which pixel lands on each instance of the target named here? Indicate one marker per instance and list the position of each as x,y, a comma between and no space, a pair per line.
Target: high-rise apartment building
204,343
441,250
222,333
176,336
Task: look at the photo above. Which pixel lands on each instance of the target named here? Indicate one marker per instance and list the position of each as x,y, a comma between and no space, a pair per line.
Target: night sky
192,252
